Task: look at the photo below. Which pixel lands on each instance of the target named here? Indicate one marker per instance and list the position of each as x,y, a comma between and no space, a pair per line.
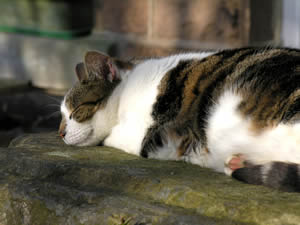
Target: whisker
53,98
51,105
52,114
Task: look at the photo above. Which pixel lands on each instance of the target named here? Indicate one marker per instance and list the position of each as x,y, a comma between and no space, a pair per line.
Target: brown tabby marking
267,104
193,76
187,143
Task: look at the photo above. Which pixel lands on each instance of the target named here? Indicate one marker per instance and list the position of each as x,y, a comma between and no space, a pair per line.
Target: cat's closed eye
84,111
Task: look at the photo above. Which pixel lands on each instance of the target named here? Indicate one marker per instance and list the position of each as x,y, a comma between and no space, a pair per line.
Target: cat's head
88,113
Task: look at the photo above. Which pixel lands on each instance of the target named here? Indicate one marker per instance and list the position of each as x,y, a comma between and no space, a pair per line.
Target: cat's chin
91,143
84,143
87,140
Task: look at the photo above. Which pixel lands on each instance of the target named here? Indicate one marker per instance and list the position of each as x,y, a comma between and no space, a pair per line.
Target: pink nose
62,133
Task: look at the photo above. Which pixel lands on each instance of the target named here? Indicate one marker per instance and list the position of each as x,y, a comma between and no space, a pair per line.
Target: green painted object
52,18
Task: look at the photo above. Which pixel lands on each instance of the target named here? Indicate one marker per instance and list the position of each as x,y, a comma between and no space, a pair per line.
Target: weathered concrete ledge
43,181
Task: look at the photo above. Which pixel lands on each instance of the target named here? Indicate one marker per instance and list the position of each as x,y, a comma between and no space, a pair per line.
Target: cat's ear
101,66
81,72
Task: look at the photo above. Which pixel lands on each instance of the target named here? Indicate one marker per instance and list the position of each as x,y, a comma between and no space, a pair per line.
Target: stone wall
133,28
163,26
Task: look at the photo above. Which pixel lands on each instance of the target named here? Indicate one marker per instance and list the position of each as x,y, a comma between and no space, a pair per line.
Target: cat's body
232,111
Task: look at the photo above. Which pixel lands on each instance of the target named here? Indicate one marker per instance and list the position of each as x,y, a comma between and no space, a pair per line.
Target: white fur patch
228,134
265,169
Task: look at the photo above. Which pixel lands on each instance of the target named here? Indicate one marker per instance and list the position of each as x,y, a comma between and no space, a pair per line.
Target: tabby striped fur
235,111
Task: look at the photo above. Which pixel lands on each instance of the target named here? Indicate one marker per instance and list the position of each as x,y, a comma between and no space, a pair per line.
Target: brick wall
133,28
147,27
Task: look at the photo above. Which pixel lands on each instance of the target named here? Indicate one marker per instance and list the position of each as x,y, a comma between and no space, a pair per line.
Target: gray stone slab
43,181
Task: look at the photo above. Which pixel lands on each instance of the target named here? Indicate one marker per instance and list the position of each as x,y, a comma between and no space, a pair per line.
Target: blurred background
41,41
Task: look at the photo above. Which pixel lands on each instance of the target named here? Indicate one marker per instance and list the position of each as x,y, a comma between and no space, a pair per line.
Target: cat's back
142,85
156,68
187,85
260,76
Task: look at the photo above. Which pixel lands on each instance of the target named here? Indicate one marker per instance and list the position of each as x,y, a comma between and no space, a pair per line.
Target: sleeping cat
235,111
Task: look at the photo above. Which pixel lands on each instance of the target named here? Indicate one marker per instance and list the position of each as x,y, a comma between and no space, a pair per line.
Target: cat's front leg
128,139
167,144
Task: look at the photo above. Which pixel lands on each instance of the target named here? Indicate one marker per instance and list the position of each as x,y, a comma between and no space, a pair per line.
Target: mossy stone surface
44,181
